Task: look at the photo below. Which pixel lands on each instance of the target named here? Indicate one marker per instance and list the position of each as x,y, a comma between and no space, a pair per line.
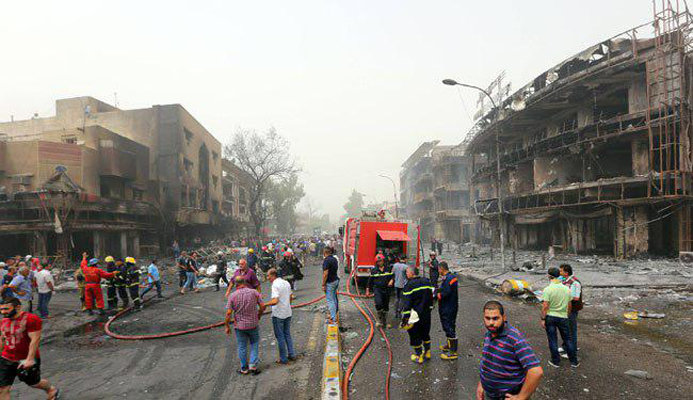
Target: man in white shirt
45,285
281,316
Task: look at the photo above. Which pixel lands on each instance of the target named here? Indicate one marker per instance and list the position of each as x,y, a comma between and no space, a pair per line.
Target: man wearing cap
380,281
252,259
111,296
92,278
133,281
554,318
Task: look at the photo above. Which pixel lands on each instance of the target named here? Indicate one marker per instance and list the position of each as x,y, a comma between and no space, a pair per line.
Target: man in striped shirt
509,368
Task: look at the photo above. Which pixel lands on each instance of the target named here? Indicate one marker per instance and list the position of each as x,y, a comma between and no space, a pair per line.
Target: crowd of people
509,368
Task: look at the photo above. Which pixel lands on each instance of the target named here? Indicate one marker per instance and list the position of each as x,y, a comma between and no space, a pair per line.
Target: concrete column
640,150
632,234
98,243
38,244
124,244
136,245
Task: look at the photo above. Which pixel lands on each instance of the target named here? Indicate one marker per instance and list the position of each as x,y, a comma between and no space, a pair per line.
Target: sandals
241,371
254,371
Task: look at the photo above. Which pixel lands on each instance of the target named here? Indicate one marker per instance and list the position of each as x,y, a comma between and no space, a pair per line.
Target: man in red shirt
20,335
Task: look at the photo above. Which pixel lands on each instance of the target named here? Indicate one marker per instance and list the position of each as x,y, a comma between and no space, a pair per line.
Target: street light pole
394,192
499,195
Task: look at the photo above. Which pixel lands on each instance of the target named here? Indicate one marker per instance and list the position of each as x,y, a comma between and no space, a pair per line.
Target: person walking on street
509,369
22,287
576,305
248,276
45,284
190,274
330,283
418,300
222,268
153,280
433,269
281,316
554,318
244,308
182,264
447,310
20,337
399,272
176,249
379,283
111,291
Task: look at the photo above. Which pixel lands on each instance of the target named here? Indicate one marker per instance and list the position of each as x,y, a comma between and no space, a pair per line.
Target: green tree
354,206
283,197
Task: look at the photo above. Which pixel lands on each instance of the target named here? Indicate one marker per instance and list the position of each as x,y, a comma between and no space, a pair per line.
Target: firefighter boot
418,356
452,351
445,347
427,349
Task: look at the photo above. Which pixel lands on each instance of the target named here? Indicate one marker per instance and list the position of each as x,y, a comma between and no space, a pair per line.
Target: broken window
188,135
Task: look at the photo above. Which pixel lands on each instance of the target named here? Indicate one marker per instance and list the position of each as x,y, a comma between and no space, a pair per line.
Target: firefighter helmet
109,259
129,260
93,261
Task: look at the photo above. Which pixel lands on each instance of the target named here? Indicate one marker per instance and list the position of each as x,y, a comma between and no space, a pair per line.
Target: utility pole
499,193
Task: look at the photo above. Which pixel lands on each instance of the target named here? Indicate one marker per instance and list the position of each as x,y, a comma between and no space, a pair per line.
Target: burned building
454,219
236,185
135,179
595,153
434,191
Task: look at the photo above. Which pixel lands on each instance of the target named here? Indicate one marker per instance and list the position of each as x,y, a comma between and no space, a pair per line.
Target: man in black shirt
330,282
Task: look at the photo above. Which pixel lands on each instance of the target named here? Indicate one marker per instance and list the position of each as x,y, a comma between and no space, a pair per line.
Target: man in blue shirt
154,279
509,368
22,287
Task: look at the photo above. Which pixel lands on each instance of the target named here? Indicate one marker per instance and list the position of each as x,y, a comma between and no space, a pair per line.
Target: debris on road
638,374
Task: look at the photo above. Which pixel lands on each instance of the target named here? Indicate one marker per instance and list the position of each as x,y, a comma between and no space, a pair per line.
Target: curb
331,371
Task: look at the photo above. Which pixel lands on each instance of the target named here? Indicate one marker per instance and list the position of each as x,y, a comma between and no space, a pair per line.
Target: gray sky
353,84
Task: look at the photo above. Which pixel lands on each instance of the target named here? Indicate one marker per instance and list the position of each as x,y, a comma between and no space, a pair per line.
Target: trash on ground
638,374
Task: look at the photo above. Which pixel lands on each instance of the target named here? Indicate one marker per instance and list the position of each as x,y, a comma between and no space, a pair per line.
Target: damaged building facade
435,191
595,153
108,181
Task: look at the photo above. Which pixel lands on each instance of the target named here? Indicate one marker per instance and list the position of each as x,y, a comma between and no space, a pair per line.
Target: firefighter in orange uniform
92,277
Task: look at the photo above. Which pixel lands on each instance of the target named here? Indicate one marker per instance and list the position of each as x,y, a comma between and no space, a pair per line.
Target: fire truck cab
365,237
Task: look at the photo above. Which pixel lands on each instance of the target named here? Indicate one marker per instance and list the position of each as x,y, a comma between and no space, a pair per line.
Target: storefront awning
393,235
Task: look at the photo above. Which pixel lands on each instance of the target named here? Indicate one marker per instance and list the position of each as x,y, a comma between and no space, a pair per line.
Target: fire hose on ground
347,375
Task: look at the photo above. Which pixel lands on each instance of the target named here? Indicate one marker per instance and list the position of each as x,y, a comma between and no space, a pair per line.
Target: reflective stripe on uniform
379,275
417,289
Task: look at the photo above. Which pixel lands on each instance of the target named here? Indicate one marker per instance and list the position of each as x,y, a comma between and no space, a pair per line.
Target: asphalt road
604,359
87,364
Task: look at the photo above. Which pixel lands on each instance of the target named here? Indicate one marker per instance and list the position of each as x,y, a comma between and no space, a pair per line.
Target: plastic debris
645,314
631,315
638,374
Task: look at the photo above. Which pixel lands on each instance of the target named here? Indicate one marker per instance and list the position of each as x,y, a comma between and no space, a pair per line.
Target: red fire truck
366,236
